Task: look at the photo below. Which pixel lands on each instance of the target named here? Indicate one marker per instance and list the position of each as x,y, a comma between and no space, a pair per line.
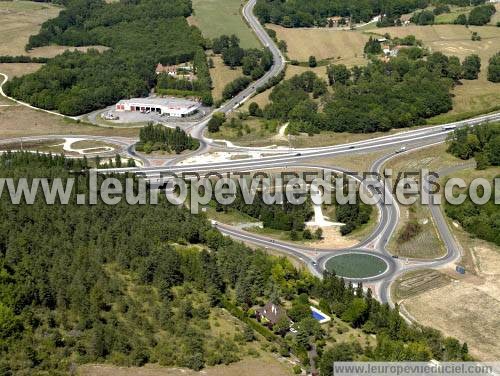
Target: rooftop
158,101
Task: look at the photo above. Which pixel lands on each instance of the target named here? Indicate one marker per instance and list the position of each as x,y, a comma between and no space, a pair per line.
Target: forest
136,284
301,13
481,142
290,217
479,220
158,137
75,83
494,68
402,92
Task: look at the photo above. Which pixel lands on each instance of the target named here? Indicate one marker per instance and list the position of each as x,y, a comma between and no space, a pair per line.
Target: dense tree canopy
75,83
158,137
481,142
301,13
494,68
383,95
481,15
120,284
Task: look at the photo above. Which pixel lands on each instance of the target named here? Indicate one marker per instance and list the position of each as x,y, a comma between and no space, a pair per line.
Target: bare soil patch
332,238
466,310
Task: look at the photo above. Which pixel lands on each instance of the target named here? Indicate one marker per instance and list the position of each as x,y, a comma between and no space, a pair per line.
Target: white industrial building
168,106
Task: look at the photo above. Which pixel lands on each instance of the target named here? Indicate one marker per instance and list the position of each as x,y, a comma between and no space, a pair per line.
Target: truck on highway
449,127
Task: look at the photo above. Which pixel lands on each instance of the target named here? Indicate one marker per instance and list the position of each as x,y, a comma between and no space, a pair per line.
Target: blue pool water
318,316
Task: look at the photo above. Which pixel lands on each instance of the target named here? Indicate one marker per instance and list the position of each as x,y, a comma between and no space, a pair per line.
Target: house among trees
171,70
337,21
270,314
183,70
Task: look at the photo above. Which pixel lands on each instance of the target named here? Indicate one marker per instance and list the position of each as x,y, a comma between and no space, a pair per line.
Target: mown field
218,17
19,20
222,75
343,47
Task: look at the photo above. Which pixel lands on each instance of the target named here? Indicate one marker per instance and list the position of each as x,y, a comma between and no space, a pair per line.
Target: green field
356,265
218,17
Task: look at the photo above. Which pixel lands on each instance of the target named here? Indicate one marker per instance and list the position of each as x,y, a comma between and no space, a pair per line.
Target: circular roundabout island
356,265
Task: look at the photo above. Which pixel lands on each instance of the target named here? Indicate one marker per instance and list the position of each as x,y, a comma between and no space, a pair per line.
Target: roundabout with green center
356,265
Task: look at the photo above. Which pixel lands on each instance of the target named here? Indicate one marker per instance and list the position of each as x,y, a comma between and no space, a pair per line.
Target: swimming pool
320,316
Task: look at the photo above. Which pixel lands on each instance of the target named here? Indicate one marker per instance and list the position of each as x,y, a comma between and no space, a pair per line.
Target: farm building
169,106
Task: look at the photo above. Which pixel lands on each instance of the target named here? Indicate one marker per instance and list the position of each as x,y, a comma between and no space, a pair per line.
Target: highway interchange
297,159
376,243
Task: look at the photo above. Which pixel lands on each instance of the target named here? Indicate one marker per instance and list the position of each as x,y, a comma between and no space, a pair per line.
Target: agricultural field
265,365
218,17
18,69
449,18
222,75
342,47
471,305
414,283
19,20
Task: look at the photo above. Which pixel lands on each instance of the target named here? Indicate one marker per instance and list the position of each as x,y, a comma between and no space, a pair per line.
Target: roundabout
357,265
